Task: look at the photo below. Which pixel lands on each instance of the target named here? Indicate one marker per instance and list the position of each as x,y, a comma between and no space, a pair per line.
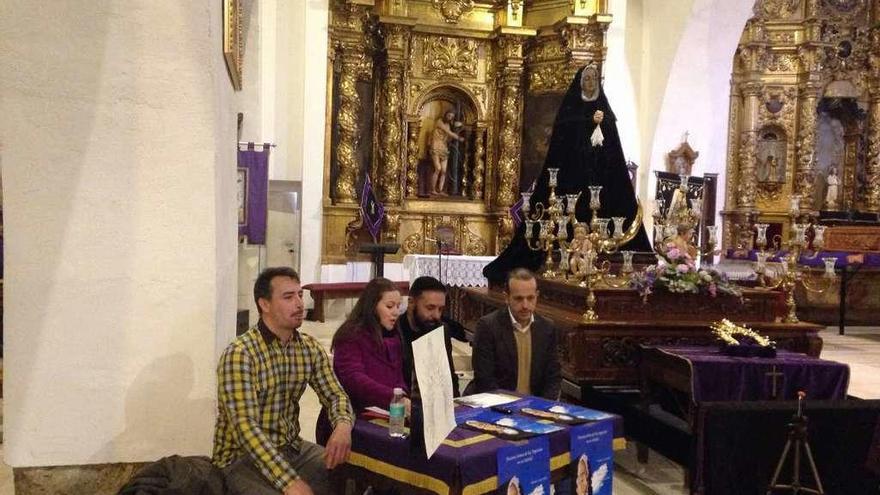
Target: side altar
606,351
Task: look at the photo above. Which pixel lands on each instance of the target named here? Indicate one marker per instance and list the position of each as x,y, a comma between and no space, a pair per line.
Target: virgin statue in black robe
584,159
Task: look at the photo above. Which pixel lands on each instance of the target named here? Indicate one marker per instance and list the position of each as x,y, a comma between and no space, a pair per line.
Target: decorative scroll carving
548,78
781,37
465,240
453,10
412,158
584,42
391,130
392,226
351,230
776,9
448,57
413,243
779,62
505,232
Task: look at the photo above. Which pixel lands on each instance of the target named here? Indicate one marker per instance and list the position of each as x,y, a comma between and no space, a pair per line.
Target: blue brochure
592,458
557,411
524,469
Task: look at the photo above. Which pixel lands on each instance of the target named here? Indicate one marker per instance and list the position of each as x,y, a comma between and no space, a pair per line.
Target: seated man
515,349
261,377
424,312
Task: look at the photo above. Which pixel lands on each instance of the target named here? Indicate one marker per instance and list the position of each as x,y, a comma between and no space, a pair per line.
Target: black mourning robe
580,165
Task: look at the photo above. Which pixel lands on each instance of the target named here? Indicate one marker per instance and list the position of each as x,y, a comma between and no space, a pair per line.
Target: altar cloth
718,377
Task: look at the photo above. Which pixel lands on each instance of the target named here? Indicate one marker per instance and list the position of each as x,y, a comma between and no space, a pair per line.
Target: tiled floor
860,348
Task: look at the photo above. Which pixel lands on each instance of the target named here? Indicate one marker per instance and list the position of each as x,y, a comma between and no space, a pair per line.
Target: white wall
667,72
118,130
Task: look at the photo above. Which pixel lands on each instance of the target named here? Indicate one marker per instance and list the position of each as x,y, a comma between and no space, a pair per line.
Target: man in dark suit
515,349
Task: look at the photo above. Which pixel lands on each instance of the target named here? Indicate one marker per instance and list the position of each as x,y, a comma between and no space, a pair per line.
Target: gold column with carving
348,33
476,186
873,165
509,80
397,38
806,144
413,127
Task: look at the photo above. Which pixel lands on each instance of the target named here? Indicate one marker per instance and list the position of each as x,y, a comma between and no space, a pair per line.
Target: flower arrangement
737,340
676,272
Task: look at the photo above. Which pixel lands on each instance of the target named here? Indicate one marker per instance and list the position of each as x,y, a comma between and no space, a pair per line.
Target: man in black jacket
515,349
424,312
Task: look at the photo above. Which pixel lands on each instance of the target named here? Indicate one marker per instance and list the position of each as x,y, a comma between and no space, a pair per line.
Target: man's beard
425,326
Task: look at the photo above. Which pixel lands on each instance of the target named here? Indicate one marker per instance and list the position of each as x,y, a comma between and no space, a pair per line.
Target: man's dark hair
425,284
263,285
519,274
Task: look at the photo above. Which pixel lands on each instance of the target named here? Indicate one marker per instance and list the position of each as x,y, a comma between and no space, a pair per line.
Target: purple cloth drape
253,170
717,377
843,258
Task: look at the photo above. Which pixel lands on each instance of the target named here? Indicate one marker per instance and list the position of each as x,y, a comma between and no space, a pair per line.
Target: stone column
509,51
390,169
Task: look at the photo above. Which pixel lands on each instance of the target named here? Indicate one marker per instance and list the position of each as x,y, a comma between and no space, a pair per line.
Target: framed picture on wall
232,42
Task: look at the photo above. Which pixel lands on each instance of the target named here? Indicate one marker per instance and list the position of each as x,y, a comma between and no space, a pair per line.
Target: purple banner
253,185
371,209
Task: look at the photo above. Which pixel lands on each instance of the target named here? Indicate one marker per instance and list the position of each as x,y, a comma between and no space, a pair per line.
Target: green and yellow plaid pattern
259,384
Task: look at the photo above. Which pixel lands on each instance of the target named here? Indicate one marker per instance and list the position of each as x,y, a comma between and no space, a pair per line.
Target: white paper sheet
435,387
487,399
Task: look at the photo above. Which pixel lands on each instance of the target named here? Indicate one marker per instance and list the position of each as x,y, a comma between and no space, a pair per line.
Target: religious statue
585,147
683,240
771,168
577,251
440,137
833,189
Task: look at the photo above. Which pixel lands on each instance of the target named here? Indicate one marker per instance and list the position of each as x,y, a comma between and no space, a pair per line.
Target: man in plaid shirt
261,377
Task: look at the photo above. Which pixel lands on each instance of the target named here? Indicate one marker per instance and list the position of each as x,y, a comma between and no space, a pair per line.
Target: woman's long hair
363,315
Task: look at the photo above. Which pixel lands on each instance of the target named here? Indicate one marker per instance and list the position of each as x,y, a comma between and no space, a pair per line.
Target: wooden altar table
465,463
606,351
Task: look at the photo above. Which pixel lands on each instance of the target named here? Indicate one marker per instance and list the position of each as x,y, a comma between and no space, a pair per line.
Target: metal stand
797,440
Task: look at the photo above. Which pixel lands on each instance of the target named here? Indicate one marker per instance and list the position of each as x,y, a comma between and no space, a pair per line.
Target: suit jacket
407,336
495,361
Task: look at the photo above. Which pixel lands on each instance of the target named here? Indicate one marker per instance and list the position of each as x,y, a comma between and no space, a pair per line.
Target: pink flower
673,253
683,268
661,264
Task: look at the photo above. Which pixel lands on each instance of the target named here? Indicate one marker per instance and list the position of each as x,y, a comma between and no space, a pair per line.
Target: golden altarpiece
402,71
804,114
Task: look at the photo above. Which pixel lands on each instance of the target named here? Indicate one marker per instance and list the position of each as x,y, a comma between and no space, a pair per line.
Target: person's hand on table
338,446
298,487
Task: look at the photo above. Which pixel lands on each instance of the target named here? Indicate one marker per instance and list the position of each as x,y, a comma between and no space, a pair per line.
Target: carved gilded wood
794,55
398,66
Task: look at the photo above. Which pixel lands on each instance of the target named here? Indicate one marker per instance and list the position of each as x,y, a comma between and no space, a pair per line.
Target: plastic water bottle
396,412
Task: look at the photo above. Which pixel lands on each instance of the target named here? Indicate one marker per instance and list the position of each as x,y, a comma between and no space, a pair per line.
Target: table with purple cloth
704,374
466,462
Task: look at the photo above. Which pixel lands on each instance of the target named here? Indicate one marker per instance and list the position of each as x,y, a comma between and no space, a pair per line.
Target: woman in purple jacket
367,353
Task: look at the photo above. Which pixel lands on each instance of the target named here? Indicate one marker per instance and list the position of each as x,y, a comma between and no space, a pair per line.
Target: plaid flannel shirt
259,384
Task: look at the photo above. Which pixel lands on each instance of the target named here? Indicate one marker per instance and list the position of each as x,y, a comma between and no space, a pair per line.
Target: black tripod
797,440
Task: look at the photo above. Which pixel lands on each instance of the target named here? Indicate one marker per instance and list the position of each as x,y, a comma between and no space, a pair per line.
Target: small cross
774,374
686,134
372,208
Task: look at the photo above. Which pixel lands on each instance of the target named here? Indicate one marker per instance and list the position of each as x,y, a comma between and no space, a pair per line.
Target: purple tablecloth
716,377
864,259
464,463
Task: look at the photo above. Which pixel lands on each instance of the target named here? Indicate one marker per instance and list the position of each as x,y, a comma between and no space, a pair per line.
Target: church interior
723,166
